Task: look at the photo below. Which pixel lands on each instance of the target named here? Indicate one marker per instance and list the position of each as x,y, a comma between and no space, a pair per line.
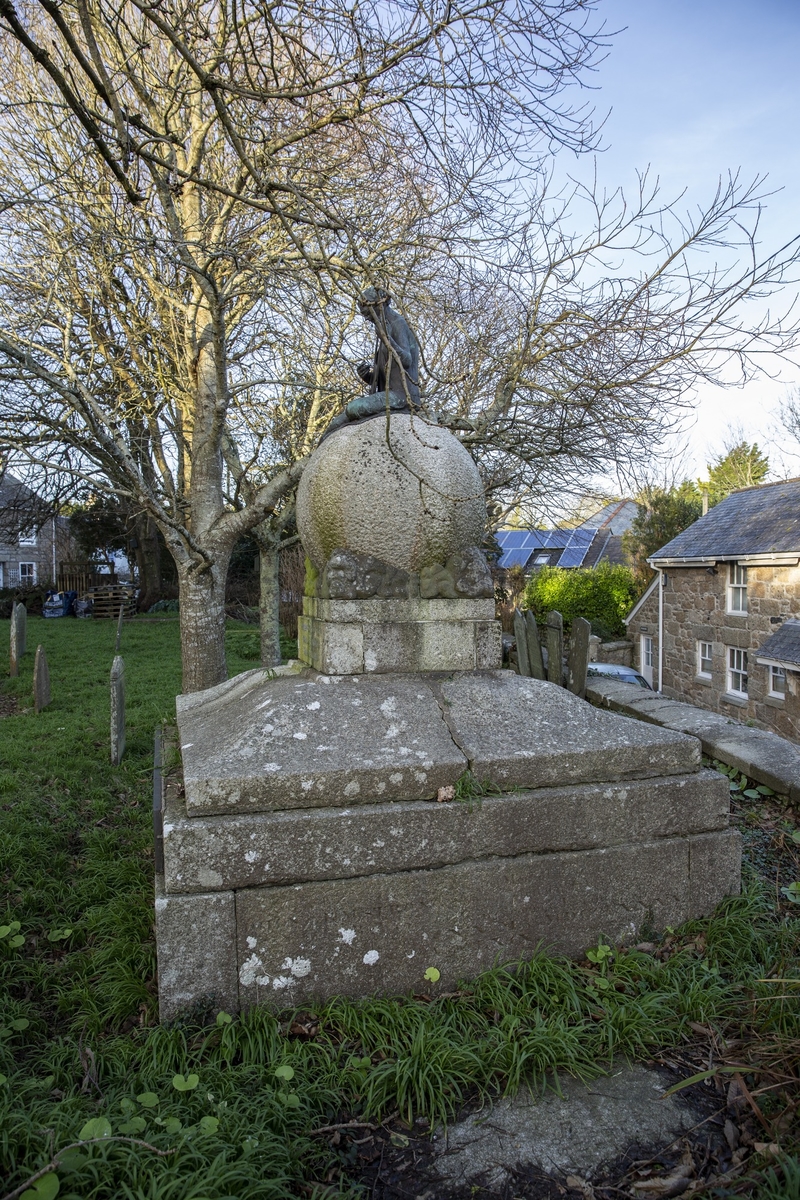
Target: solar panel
514,558
509,538
573,556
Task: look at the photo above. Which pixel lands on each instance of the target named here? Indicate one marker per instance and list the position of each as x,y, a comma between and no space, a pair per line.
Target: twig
55,1162
746,1093
333,1129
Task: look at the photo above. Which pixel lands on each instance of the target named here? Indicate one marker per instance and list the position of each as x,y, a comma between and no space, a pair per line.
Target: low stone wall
620,652
761,754
314,845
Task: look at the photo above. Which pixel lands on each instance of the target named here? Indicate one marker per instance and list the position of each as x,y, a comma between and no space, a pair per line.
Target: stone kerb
328,865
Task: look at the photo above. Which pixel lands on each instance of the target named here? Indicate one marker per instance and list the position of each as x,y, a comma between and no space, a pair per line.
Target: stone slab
715,870
572,1133
353,647
196,940
378,612
521,732
267,850
309,740
762,755
380,933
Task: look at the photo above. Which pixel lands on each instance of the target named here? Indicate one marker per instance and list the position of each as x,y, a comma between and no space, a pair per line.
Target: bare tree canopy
192,198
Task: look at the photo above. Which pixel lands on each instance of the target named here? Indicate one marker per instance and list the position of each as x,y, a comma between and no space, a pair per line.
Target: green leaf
699,1077
433,975
98,1127
170,1124
58,935
148,1099
359,1064
17,940
20,1024
284,1071
792,892
224,1018
208,1124
752,794
127,1105
185,1083
796,837
3,1079
5,930
45,1188
72,1160
398,1139
763,790
135,1125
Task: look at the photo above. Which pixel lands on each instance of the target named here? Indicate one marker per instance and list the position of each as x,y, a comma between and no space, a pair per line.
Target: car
617,671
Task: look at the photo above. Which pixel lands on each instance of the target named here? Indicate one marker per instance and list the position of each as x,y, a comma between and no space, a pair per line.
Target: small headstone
19,619
117,710
520,633
41,680
534,647
555,646
578,656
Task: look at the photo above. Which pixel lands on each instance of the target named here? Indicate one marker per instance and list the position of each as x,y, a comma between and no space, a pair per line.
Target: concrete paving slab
570,1134
521,732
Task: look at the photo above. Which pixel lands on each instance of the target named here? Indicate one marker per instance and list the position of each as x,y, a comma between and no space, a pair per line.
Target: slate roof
615,518
783,645
757,520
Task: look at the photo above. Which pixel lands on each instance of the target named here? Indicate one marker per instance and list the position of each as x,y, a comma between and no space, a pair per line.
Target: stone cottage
32,540
719,625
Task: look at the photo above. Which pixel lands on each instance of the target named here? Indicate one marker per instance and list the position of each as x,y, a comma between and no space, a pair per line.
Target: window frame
742,671
774,671
31,581
701,658
737,589
28,538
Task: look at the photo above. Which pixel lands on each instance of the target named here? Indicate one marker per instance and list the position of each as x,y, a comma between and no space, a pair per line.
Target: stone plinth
306,853
349,637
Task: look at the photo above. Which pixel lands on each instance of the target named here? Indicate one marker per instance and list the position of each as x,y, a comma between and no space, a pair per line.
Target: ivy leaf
148,1100
792,892
224,1018
127,1105
58,935
16,941
135,1125
208,1124
3,1079
432,975
290,1099
170,1124
20,1024
284,1071
752,794
5,930
72,1160
45,1188
98,1127
185,1083
399,1140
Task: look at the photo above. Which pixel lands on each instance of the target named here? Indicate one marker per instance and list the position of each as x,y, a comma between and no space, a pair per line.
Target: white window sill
735,698
776,701
704,680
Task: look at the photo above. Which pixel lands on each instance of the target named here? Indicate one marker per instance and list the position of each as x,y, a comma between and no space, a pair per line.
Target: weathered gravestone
535,660
18,635
41,680
555,646
305,853
117,710
521,636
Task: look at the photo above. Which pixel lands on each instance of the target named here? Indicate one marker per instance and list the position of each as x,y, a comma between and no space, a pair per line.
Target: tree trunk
148,561
269,601
202,606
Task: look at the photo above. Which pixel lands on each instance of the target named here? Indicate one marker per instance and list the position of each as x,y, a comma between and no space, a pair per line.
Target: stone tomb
306,853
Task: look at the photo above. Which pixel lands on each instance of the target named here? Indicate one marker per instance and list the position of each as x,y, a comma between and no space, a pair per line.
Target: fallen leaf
768,1149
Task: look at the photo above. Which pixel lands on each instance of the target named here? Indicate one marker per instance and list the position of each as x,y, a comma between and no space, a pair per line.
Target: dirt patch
9,706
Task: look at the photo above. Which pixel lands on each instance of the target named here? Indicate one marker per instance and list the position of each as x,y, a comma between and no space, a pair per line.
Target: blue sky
694,90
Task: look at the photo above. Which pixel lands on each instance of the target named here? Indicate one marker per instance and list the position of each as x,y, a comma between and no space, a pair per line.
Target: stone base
351,637
308,855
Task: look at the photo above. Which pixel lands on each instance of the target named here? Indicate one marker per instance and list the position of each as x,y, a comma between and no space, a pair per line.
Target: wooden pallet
107,602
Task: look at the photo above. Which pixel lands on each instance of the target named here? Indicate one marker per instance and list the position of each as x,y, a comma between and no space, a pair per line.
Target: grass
78,1032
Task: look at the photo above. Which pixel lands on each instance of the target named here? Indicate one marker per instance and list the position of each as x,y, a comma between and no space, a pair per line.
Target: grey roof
784,644
757,520
615,518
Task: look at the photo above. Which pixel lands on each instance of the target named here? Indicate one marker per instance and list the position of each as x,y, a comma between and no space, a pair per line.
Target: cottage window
28,537
777,682
541,560
704,659
737,589
737,672
27,574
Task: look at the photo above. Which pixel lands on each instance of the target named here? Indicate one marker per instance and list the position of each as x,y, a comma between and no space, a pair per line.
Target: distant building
32,541
722,616
599,539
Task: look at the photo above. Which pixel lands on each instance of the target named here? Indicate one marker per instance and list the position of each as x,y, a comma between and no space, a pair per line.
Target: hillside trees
663,514
740,465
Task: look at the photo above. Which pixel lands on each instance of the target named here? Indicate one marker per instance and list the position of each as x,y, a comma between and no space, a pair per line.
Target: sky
693,90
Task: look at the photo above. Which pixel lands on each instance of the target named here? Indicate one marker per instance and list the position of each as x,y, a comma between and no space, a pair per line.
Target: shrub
602,595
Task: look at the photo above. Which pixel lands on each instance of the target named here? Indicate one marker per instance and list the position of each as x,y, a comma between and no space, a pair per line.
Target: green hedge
603,595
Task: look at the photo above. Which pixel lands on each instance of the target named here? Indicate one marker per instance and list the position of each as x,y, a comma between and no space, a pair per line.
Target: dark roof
519,546
615,518
784,644
757,520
